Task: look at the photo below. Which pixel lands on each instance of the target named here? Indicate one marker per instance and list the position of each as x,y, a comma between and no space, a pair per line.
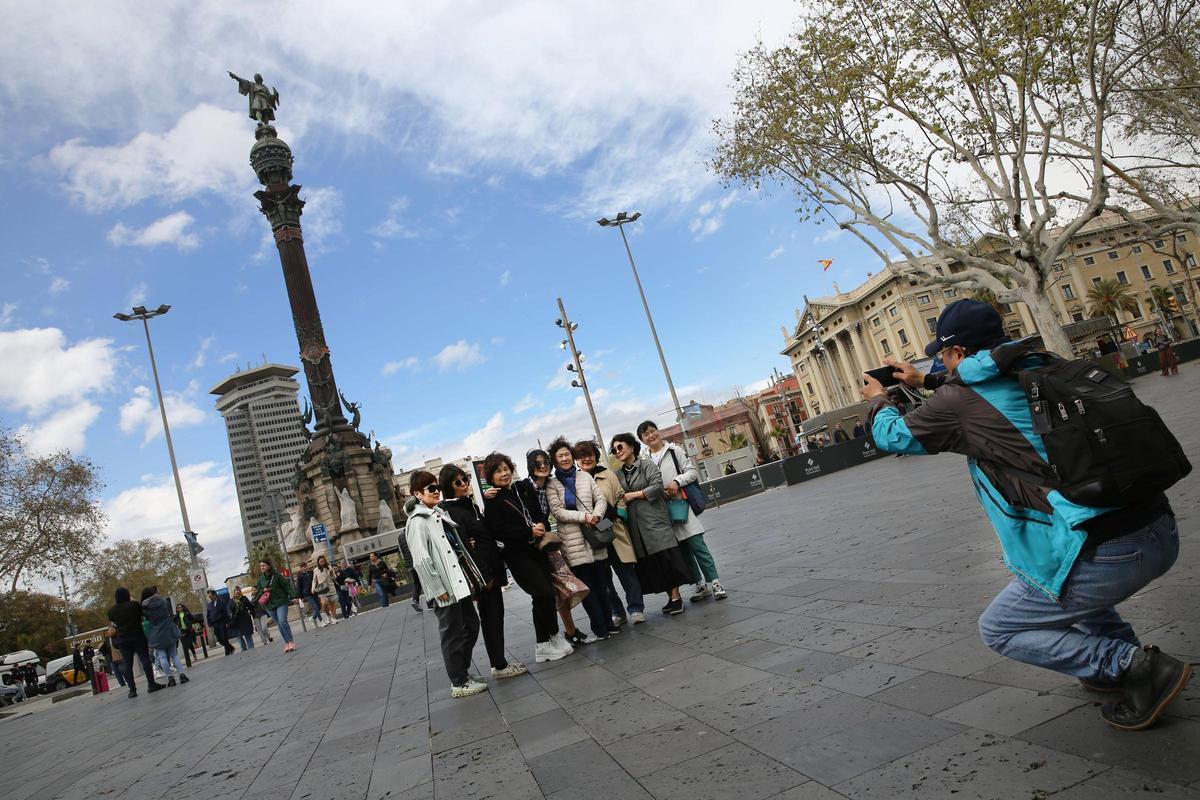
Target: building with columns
837,337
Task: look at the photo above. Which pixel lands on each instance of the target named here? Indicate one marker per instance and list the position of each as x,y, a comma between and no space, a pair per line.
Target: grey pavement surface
845,663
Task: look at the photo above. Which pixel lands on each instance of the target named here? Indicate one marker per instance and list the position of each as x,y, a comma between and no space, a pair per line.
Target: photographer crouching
1073,562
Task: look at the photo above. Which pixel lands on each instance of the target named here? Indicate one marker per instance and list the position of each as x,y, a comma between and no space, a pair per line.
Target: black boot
133,691
1152,681
183,678
171,680
154,687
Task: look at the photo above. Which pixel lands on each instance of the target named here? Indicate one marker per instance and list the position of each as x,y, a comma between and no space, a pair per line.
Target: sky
454,159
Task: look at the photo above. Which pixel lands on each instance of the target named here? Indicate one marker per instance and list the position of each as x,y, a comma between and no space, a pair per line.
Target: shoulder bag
691,492
549,541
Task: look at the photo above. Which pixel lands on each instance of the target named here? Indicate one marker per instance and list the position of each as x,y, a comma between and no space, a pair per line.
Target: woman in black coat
460,506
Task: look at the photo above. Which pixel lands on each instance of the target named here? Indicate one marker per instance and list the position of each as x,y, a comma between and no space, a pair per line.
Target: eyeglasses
540,463
433,489
461,482
618,446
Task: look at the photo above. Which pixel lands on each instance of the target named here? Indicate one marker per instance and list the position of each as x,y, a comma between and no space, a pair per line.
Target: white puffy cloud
204,152
172,229
526,403
201,356
834,232
776,253
393,225
322,220
140,412
484,440
7,312
45,370
65,429
505,277
151,509
59,285
458,356
392,367
711,215
137,295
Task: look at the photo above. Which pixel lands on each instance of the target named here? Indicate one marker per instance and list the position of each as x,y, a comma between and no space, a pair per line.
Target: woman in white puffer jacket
575,500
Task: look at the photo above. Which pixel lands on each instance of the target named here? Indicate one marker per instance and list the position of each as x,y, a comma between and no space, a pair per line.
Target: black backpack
1105,447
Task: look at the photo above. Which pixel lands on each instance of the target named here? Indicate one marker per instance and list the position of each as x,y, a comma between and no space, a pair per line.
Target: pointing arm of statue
243,84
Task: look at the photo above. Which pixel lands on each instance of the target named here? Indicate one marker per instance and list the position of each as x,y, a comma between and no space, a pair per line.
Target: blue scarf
568,482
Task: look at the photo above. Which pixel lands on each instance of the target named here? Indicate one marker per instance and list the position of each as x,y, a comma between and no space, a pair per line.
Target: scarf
570,499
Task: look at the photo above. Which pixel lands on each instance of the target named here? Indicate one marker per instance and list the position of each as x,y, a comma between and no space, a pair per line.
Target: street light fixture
619,222
577,367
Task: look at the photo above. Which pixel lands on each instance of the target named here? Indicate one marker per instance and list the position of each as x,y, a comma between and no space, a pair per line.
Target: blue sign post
320,534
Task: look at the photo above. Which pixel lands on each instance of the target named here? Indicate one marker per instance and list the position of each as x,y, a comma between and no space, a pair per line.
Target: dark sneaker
133,692
171,681
1147,688
183,678
154,687
1099,686
674,607
577,638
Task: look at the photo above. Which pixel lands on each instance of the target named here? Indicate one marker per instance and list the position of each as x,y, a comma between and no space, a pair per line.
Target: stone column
848,383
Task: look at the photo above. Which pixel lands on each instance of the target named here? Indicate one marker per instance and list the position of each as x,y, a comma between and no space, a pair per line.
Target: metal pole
835,388
66,603
680,417
587,394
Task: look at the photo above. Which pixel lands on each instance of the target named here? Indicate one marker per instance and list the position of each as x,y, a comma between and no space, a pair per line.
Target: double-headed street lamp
579,382
140,312
619,222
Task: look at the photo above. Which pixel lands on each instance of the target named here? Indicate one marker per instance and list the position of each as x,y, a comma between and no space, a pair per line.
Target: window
876,322
1159,243
1096,281
810,388
903,336
1136,311
1113,255
924,299
1168,267
1068,292
1181,238
1122,278
887,347
1180,296
703,440
1089,260
893,311
951,293
1077,316
931,323
1145,272
1136,249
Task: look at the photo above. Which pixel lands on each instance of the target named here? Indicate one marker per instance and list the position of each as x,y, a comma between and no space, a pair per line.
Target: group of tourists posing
562,533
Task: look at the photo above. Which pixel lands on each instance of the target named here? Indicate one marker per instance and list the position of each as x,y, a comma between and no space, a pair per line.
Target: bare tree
50,515
966,142
136,564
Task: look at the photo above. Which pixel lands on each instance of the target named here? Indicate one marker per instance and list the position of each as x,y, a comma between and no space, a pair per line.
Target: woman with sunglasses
432,536
460,506
575,501
514,518
621,557
660,564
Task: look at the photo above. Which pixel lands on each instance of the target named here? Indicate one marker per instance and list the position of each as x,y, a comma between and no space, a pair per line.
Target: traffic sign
198,578
319,533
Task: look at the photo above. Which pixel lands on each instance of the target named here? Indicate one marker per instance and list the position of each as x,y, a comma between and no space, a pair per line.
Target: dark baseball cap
967,323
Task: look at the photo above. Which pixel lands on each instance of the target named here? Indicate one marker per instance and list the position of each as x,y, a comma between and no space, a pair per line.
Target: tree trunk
1048,325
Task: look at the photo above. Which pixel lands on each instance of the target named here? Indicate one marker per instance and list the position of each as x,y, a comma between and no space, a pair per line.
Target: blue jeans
383,595
627,575
1082,634
245,639
166,656
280,616
313,604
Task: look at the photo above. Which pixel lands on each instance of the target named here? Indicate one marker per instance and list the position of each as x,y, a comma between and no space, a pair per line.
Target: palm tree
736,441
1108,298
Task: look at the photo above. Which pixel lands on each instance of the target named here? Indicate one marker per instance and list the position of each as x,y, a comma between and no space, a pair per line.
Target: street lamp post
834,386
581,382
141,313
619,222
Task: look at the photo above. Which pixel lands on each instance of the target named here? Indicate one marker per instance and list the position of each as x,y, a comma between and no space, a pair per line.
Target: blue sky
454,160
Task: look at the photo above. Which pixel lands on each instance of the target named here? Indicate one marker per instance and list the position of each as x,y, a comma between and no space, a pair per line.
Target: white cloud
484,440
828,236
393,225
458,356
526,403
137,295
392,367
59,285
776,253
150,509
711,215
204,152
140,412
505,277
65,429
7,312
322,220
169,230
201,356
45,370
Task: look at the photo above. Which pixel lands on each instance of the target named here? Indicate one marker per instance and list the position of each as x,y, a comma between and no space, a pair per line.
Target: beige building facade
837,337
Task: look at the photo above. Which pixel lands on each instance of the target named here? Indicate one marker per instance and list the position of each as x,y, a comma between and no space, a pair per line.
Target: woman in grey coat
660,564
164,634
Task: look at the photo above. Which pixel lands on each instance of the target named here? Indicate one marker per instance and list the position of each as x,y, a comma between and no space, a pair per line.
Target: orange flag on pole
825,263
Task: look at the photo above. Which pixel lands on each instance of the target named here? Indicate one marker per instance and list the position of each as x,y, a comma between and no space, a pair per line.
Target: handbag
597,536
550,540
568,588
691,492
467,564
678,509
264,598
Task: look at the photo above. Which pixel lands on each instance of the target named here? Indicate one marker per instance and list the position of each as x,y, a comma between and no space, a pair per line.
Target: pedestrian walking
258,615
187,639
241,626
440,559
304,581
459,504
622,559
341,577
677,471
839,434
274,593
660,562
324,587
1167,359
576,503
509,507
860,432
1072,563
219,613
164,634
383,578
125,625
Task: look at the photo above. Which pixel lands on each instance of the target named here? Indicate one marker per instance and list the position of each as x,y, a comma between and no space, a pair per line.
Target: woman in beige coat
621,556
575,501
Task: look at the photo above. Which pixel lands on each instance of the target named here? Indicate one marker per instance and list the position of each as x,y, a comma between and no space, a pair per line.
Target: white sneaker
546,651
467,689
718,591
702,592
560,643
638,617
513,669
617,620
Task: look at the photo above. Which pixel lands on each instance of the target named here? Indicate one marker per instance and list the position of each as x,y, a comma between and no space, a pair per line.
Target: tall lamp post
834,386
577,368
619,222
194,547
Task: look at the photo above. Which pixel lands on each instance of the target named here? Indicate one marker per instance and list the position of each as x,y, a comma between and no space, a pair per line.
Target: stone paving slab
845,664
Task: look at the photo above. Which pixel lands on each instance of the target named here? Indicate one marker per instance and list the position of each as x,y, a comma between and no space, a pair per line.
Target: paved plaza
845,663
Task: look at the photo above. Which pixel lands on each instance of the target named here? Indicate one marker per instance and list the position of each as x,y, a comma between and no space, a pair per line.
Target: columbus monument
341,482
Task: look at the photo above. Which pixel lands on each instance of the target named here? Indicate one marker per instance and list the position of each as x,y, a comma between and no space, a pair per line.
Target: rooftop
253,375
